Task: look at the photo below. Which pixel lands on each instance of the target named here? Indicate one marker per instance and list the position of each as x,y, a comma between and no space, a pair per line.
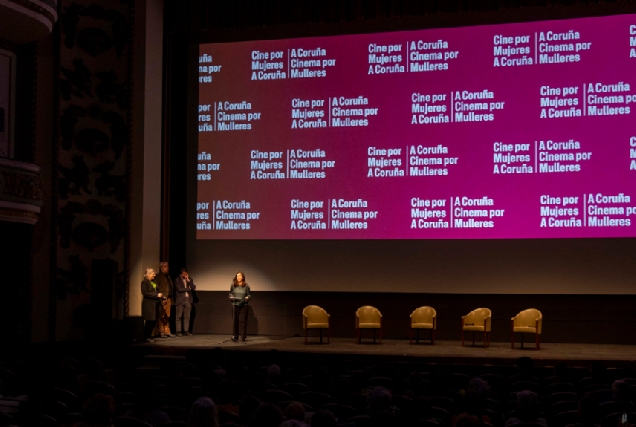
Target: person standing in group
239,296
164,283
150,303
183,301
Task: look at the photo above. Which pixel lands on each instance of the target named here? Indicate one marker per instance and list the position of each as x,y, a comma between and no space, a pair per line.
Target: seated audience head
621,391
203,413
295,411
466,420
527,405
247,407
479,385
379,400
99,410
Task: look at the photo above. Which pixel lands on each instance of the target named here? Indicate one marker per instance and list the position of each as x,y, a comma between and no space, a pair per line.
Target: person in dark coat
184,300
150,304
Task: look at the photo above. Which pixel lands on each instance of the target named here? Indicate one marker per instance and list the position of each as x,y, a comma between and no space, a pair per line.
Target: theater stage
613,355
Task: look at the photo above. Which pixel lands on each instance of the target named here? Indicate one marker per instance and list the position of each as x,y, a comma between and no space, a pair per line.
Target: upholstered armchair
478,320
527,322
315,317
423,318
368,317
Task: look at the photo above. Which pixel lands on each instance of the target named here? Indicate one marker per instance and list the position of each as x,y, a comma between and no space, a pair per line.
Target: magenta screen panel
490,132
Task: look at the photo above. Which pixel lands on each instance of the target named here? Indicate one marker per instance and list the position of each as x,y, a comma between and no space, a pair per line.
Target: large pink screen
490,132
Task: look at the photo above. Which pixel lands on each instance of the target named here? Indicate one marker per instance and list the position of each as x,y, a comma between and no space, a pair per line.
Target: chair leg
538,340
380,334
358,334
512,334
485,338
432,336
411,337
462,335
320,330
417,337
328,334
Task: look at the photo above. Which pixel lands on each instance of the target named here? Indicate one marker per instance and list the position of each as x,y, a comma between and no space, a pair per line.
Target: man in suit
184,286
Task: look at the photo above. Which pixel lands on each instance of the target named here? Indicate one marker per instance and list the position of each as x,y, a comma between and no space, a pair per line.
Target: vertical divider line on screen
451,211
536,157
213,215
584,98
406,161
584,211
451,102
328,213
407,55
536,47
215,116
329,109
288,63
287,164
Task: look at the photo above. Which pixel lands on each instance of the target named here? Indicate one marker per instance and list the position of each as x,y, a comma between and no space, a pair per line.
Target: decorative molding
25,21
41,8
9,215
21,192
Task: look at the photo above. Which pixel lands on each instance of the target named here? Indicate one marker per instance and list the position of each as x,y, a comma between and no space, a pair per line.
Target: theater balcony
25,21
21,193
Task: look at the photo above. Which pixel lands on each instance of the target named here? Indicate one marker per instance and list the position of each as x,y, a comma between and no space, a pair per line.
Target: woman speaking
240,296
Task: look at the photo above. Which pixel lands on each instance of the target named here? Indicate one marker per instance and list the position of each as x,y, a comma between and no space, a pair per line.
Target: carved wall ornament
69,118
91,161
92,141
119,25
71,280
21,186
110,185
79,81
65,220
94,41
90,235
74,179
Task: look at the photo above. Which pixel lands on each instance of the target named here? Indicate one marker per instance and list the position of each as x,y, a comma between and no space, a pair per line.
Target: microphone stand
232,336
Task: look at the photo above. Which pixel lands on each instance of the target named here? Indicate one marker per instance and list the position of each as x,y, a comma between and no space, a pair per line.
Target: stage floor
443,351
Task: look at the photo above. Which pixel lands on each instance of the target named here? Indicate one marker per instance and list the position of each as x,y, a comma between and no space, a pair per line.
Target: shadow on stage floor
623,356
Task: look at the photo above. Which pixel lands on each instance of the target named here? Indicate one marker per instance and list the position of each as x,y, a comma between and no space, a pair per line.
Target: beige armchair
423,318
527,322
315,317
368,317
478,320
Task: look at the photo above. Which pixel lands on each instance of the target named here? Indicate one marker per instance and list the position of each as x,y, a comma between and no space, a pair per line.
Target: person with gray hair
203,413
150,303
